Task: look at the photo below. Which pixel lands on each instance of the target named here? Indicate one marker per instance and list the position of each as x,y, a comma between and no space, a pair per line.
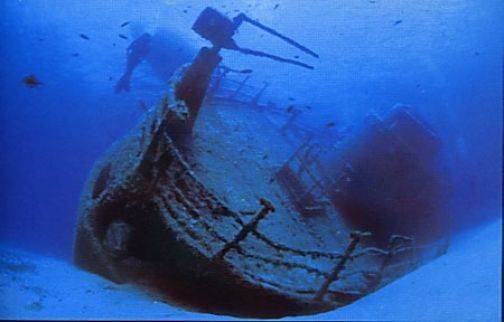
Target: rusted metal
259,94
356,237
251,226
239,88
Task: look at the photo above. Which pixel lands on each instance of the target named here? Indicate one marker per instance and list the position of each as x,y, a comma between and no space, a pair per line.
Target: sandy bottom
34,287
464,285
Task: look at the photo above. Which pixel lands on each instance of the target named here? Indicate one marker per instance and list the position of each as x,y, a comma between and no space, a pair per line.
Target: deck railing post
216,84
393,243
356,237
256,98
289,124
240,86
247,228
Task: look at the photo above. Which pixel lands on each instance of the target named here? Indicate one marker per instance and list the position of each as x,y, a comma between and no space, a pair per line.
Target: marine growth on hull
195,206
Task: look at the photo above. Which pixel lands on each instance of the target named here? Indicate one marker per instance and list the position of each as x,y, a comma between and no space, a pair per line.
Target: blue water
444,58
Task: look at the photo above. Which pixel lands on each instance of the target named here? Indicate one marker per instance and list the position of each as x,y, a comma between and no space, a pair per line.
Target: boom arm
238,20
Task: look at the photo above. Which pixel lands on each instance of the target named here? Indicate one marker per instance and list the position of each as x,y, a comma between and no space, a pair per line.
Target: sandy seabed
463,285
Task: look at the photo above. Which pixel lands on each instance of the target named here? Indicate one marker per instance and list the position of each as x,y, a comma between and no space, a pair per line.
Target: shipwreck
195,206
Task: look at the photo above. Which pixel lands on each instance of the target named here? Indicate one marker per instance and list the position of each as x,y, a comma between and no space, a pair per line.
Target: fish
291,99
397,22
184,11
75,55
31,81
276,6
331,124
297,56
290,108
246,71
124,24
123,36
84,36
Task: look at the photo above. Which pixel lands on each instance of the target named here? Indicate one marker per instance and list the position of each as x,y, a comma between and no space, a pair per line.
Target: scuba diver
136,53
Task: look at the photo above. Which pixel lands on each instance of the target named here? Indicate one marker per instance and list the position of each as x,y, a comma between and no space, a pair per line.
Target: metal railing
240,91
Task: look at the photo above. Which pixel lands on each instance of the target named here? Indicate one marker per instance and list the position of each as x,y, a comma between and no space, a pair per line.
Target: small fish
110,78
84,36
124,24
397,22
331,124
297,56
75,55
246,71
123,36
291,99
31,81
184,11
276,6
308,107
290,108
113,44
